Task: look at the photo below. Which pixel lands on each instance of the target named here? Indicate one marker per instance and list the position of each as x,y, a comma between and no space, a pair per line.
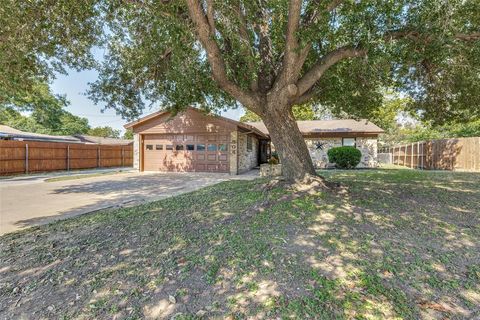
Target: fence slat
445,154
17,157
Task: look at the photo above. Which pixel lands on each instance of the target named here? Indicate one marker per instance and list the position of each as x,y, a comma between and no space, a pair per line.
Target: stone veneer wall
233,152
136,151
247,159
318,149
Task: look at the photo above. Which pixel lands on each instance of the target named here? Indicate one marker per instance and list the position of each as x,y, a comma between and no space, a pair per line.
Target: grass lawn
398,244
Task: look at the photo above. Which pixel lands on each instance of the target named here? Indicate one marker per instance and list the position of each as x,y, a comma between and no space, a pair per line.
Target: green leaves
152,56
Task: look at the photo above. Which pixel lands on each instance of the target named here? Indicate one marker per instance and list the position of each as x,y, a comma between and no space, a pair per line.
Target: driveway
26,202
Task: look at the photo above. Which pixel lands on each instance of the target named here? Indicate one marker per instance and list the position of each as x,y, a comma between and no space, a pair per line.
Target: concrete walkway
30,200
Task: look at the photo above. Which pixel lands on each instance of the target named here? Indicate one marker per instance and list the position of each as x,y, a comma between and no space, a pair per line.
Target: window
350,142
222,147
179,147
190,147
212,147
249,143
159,147
169,147
149,146
200,147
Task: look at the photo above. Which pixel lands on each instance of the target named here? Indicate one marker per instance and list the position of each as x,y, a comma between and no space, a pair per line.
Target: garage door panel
180,152
200,167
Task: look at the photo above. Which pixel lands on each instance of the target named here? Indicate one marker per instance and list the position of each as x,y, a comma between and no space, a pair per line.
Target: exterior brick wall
318,149
247,159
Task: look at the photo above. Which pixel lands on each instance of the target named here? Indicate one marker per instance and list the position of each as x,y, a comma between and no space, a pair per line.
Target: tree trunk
289,143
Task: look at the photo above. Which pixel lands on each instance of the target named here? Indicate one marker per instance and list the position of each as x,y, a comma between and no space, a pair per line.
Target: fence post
411,156
405,155
98,157
68,157
123,157
26,158
423,155
418,153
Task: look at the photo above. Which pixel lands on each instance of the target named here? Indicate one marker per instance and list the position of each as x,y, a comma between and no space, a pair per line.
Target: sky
75,84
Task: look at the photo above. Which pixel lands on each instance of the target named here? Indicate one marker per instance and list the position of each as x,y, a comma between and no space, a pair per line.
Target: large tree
265,55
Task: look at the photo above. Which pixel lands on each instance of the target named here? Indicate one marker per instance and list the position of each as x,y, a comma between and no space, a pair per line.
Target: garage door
180,152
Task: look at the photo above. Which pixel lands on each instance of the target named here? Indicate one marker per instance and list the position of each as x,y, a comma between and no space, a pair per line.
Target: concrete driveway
29,201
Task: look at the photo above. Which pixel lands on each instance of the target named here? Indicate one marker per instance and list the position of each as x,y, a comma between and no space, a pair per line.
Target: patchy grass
399,244
83,176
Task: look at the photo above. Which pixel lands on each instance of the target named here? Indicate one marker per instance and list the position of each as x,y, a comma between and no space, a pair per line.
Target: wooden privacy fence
461,154
32,156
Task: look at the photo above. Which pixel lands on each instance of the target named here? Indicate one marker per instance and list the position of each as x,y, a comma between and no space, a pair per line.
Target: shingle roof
7,131
102,140
243,125
329,126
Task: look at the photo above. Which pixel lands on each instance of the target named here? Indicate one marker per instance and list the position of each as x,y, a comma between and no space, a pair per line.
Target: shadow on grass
396,245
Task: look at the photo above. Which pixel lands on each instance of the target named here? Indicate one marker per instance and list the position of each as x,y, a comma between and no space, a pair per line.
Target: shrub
344,157
273,160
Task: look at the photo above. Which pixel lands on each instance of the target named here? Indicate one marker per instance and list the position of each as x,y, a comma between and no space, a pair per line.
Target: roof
102,140
242,125
9,132
329,126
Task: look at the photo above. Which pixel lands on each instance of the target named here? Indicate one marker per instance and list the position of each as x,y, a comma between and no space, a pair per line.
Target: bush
273,160
344,157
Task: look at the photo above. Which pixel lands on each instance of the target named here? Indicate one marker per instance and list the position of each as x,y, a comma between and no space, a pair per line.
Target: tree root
314,183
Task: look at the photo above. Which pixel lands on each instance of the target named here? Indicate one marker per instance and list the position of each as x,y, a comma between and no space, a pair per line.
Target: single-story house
9,133
321,135
102,140
195,141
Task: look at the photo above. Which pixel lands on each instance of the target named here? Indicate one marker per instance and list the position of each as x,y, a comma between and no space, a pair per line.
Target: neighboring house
321,135
195,141
102,140
8,133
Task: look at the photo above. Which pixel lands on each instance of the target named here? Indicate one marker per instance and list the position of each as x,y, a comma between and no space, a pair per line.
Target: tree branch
287,73
210,16
215,59
422,37
317,71
306,97
265,73
333,5
245,40
313,15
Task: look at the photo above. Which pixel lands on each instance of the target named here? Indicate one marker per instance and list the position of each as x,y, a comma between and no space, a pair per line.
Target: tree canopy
428,49
106,132
300,112
264,55
44,112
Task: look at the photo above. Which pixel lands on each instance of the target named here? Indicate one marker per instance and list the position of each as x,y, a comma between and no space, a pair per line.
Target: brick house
195,141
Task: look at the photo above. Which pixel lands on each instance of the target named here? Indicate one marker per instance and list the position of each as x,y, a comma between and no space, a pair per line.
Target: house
9,133
321,135
195,141
102,140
